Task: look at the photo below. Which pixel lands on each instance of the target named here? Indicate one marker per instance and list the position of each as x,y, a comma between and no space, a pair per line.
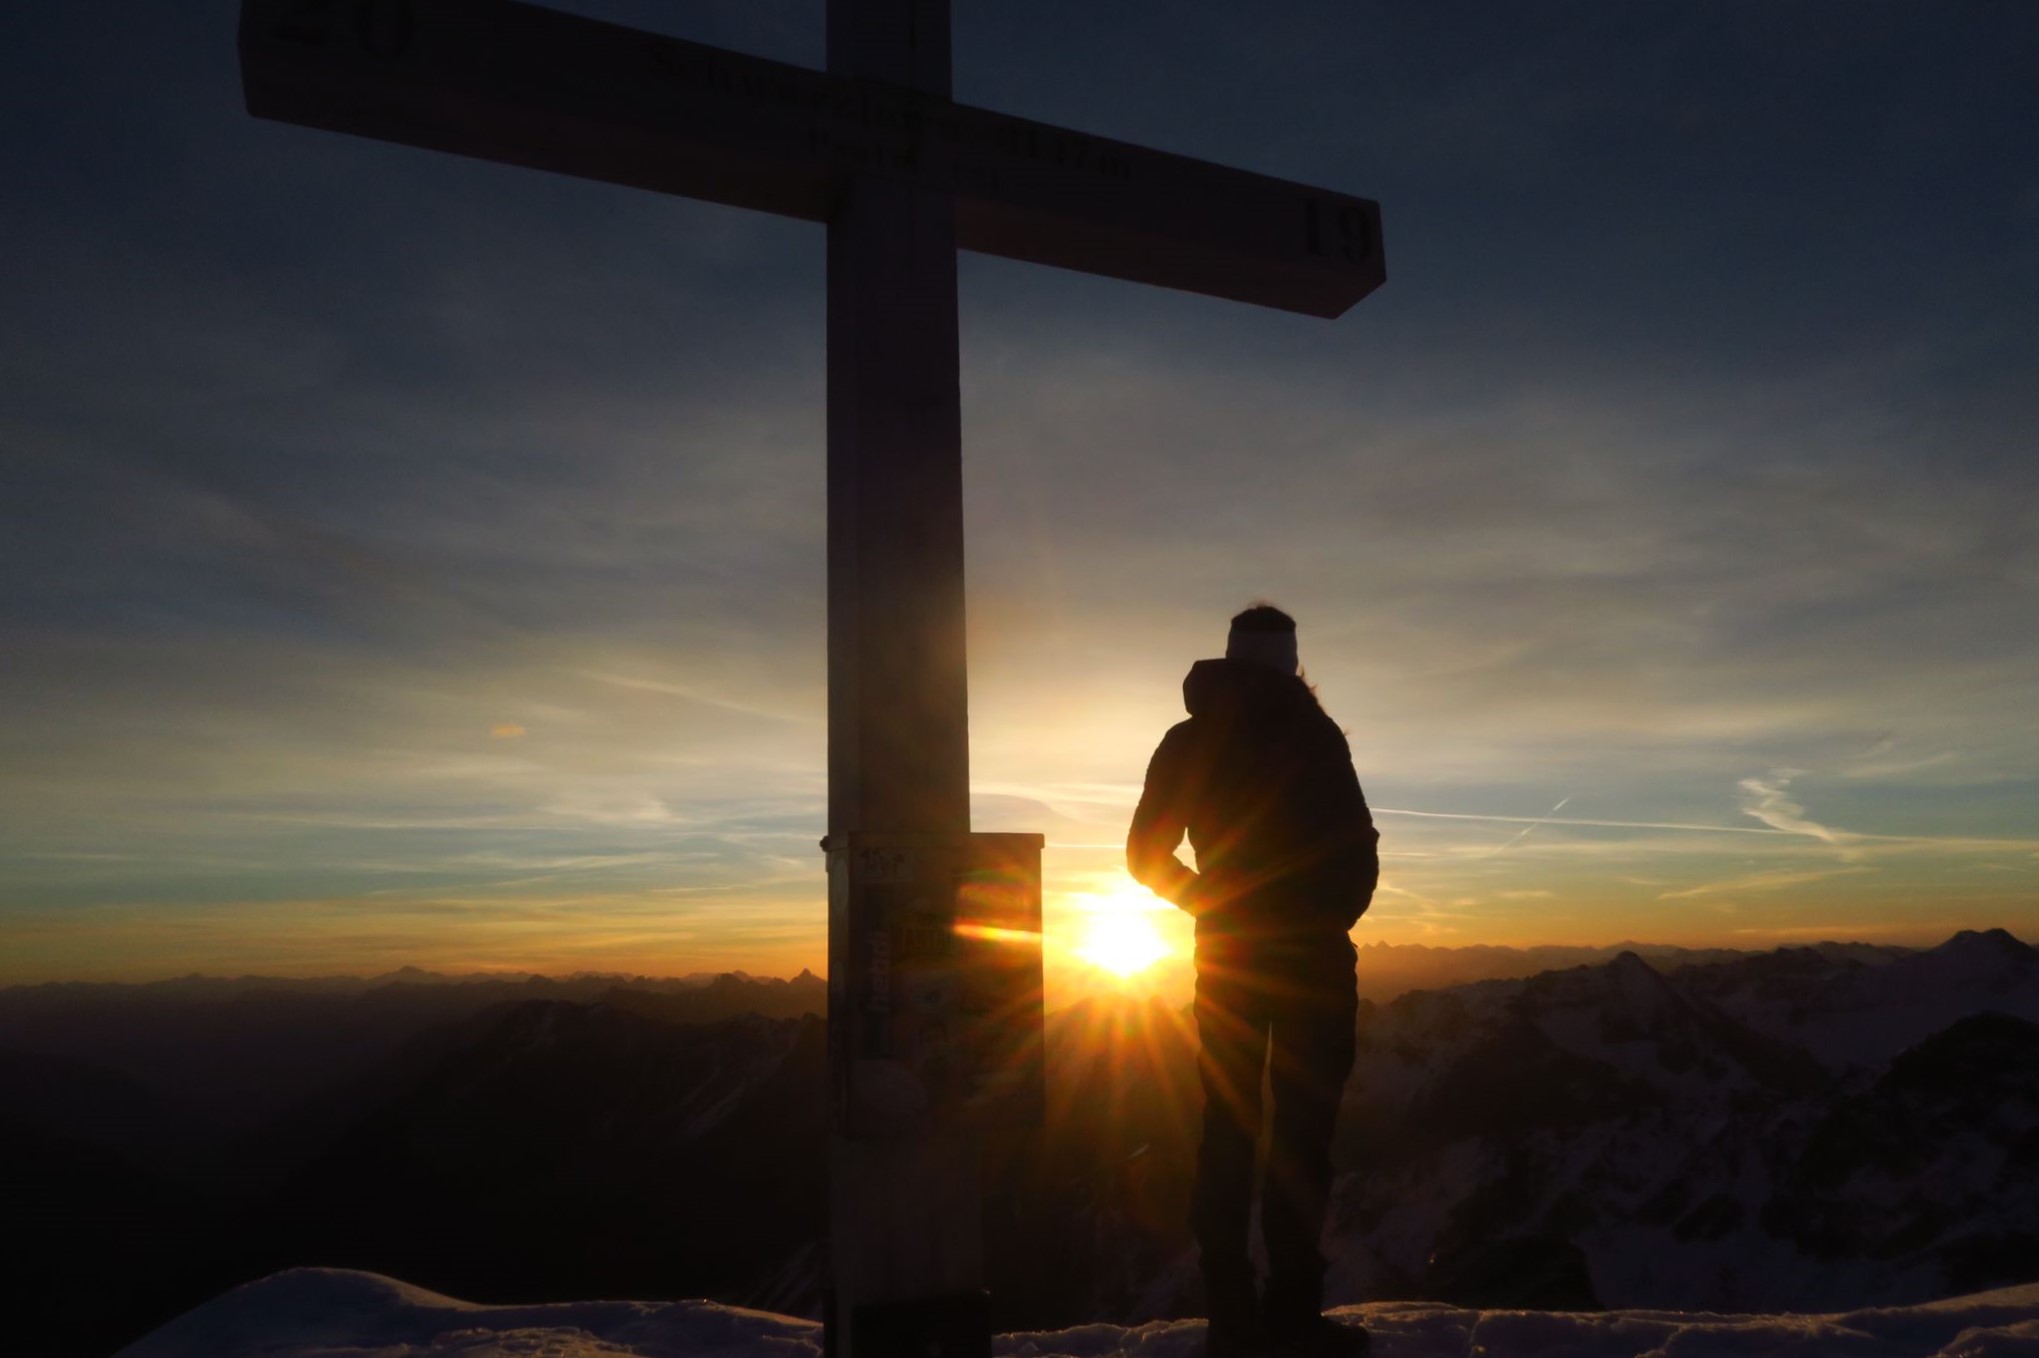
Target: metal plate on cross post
935,983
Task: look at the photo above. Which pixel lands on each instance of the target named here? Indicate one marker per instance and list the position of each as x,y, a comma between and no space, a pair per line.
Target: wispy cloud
646,684
1765,799
1896,767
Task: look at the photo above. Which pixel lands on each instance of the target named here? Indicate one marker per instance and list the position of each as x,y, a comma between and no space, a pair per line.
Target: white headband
1276,650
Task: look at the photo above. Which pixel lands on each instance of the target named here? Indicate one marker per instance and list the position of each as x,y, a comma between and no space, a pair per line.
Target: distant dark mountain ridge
200,985
725,996
238,1053
1389,970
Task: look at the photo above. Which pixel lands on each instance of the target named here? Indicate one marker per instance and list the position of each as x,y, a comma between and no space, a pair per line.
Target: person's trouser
1289,1010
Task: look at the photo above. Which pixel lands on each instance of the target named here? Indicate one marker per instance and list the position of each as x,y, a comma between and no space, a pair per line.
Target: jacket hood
1213,687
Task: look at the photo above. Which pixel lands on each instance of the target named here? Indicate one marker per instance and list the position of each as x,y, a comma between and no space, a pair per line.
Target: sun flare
1118,935
1121,944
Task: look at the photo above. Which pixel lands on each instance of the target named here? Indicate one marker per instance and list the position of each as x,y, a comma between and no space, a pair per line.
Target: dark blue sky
405,558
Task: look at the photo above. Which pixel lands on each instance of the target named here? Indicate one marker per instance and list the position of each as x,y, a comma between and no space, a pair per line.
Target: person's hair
1263,617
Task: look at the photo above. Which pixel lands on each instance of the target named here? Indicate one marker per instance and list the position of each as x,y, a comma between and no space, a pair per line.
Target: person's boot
1234,1327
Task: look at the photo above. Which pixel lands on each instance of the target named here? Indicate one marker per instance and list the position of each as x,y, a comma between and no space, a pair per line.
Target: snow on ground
335,1313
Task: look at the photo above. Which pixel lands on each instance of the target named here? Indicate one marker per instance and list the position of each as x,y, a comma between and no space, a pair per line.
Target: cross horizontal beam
525,85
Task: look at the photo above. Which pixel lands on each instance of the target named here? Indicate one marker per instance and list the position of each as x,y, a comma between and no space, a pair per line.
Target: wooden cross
904,177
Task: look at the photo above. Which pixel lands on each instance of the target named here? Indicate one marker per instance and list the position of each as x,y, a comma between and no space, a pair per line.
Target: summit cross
903,177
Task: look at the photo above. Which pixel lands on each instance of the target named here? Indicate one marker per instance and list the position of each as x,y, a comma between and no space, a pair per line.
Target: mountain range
1804,1129
1799,1130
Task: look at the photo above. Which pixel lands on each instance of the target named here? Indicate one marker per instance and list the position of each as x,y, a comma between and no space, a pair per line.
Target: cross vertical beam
905,1227
898,710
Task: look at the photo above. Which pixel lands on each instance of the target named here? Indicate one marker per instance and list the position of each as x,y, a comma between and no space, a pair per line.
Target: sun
1121,943
1118,936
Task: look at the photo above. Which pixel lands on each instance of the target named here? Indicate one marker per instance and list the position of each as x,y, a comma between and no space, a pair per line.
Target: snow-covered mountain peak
1856,1013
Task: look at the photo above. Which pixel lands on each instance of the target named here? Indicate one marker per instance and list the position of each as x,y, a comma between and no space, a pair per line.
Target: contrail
1607,824
1524,833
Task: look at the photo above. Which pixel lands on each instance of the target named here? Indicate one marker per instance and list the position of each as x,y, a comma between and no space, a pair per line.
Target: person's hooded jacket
1262,780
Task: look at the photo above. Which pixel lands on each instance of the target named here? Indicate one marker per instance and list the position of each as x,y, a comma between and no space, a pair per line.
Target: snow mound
340,1313
335,1313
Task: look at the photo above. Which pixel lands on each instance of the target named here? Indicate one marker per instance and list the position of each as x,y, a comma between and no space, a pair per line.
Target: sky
413,560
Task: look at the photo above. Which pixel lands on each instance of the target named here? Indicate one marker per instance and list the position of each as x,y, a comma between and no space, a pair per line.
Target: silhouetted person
1262,781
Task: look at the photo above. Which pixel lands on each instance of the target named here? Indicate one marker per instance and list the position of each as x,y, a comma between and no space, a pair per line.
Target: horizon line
709,976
